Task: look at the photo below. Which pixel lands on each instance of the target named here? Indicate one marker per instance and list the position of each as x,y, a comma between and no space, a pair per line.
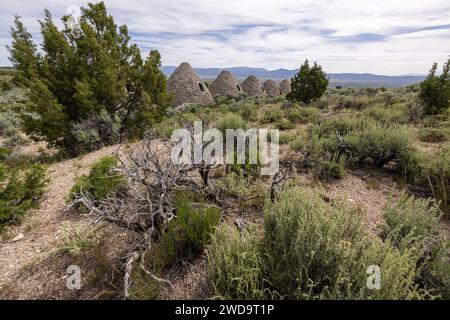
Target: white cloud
273,34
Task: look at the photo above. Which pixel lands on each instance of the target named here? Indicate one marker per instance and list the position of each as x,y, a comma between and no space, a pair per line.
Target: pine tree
309,84
84,74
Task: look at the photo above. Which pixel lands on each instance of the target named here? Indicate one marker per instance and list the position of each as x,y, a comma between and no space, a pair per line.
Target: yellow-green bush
101,181
310,249
19,191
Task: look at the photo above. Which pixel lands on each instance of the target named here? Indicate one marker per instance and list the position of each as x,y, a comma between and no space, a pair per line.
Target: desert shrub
5,152
386,115
357,103
235,264
409,220
19,191
303,114
101,181
437,172
248,112
186,234
7,85
231,121
287,137
413,223
284,124
341,125
144,286
234,184
95,132
333,169
166,127
315,251
379,144
272,115
10,122
433,135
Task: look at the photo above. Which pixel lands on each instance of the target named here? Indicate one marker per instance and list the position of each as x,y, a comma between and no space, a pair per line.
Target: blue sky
383,37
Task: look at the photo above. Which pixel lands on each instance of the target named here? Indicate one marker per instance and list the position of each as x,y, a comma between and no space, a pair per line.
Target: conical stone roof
186,86
271,87
225,85
252,87
285,86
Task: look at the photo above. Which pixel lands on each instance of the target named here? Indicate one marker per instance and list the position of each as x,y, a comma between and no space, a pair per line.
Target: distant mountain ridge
342,79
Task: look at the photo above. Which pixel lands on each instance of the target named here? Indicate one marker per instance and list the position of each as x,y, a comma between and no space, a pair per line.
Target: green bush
186,234
312,249
315,251
101,181
235,264
10,122
334,169
303,114
248,112
379,144
272,115
435,90
231,121
19,192
437,172
284,124
357,103
397,113
433,135
287,137
413,223
409,220
7,85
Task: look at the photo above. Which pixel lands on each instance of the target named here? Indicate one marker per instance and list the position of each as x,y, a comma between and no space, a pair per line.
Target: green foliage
19,191
378,144
409,220
308,252
6,85
284,124
309,84
84,72
231,121
386,115
317,252
333,169
413,223
101,181
96,131
433,135
10,122
248,112
350,102
188,233
272,114
303,114
435,90
235,263
437,172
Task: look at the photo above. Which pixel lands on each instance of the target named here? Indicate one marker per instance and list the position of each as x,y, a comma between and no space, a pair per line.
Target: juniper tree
435,90
309,84
85,72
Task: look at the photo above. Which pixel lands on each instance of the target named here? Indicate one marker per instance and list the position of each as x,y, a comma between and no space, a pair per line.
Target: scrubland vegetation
246,236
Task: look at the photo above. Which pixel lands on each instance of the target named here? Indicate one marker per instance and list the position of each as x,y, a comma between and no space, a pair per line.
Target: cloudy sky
383,36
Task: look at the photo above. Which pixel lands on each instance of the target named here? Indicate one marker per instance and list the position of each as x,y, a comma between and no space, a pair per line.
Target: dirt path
48,226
